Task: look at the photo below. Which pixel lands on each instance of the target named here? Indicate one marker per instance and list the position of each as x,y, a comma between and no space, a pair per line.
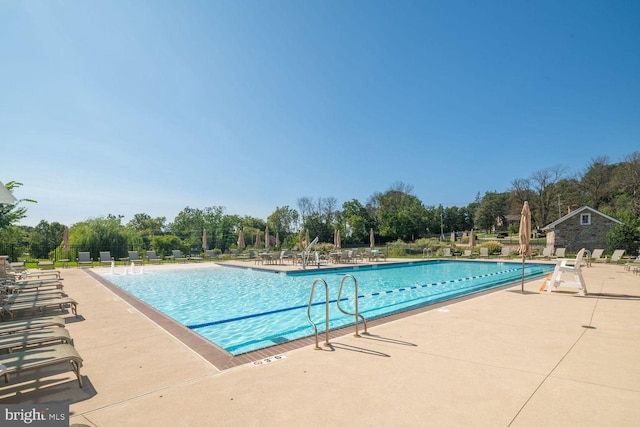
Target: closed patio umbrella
240,242
472,239
307,240
258,242
338,240
204,239
267,243
277,240
65,239
524,235
5,195
300,246
372,240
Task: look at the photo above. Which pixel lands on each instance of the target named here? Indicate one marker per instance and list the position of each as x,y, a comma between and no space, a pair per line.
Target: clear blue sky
125,107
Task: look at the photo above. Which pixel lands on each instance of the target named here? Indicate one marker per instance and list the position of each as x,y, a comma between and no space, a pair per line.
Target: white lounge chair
596,255
546,253
484,252
617,255
568,266
446,252
560,252
505,253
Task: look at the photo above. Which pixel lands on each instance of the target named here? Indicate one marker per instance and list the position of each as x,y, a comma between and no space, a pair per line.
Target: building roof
578,212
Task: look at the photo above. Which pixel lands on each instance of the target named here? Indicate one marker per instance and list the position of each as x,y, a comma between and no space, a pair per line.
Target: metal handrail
315,328
356,314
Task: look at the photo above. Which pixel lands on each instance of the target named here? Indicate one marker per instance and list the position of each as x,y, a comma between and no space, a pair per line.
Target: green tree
596,182
102,234
44,238
626,178
163,245
10,213
400,215
283,221
624,236
355,222
491,211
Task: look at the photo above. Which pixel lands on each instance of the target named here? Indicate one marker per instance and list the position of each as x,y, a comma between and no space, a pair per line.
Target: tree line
395,214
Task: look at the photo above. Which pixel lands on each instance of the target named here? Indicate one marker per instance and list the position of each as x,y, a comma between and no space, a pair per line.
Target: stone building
583,227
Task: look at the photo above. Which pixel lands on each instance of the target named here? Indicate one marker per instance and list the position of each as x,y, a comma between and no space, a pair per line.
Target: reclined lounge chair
105,257
84,259
596,256
34,323
177,256
32,337
12,309
18,287
617,255
152,257
40,357
134,257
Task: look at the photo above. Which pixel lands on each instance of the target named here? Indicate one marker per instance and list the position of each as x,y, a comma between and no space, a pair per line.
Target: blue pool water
242,309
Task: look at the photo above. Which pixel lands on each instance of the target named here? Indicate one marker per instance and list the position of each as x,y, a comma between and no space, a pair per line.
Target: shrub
623,236
492,246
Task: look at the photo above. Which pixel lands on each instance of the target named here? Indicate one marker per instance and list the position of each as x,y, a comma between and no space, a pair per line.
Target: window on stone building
585,219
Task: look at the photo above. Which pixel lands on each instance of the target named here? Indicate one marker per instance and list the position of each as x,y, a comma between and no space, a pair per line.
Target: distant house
583,227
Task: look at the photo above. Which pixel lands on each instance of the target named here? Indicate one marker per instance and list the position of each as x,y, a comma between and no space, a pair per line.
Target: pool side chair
546,253
13,309
37,295
84,259
633,265
597,256
105,257
211,254
134,257
319,261
177,256
617,255
17,274
446,252
505,253
467,253
19,287
484,252
45,264
42,357
33,323
152,257
560,252
23,339
569,266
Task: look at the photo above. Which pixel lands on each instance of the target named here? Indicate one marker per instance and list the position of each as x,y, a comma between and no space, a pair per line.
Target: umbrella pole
522,284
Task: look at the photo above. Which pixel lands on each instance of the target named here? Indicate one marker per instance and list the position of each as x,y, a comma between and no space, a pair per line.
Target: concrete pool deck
500,359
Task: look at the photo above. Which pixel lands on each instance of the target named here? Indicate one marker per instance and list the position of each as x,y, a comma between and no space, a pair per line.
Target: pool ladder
356,314
315,328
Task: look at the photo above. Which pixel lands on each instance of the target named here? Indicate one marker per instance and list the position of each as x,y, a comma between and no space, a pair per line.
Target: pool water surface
242,310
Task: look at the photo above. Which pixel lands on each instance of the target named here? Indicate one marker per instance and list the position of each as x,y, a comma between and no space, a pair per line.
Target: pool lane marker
373,294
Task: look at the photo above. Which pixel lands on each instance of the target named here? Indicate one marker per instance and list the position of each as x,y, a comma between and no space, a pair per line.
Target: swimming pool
246,309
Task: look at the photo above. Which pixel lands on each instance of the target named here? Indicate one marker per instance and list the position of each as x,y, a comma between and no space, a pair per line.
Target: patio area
499,359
